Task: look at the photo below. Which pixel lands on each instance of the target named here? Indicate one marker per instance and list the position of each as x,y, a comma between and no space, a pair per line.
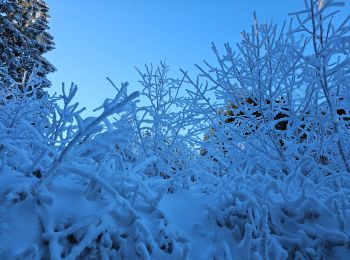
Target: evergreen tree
24,39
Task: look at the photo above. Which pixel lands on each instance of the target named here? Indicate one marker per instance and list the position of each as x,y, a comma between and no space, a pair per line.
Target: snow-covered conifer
24,38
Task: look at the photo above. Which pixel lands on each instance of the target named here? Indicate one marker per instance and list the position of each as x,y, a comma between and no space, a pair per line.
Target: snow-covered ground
150,221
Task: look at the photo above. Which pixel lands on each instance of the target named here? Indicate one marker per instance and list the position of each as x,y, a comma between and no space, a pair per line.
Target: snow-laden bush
168,123
24,126
71,179
325,75
282,96
270,219
254,89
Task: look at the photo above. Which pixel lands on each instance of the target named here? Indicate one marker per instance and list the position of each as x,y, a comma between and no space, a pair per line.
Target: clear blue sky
95,39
